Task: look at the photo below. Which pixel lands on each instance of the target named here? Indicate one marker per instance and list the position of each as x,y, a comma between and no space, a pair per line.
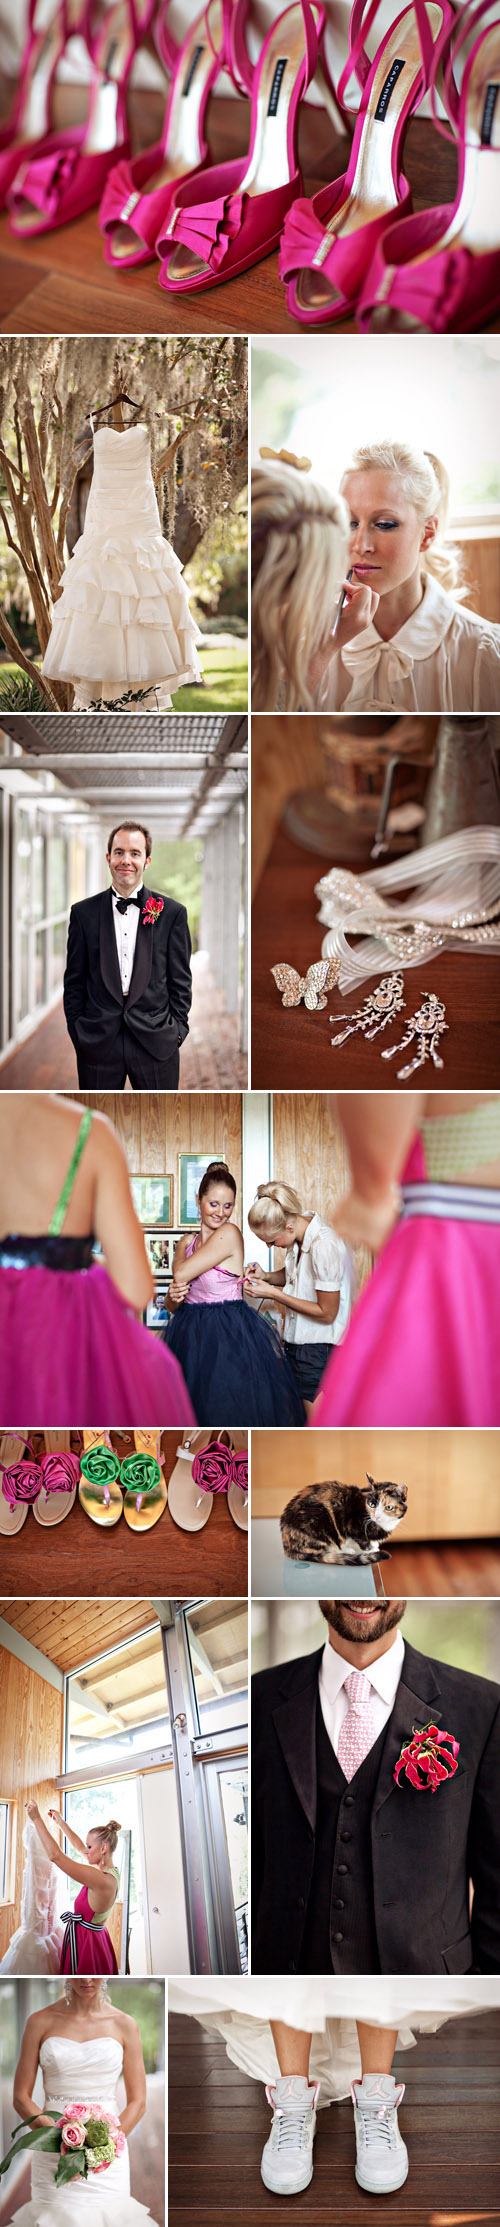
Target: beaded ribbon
100,1466
240,1470
60,1472
213,1468
140,1473
22,1482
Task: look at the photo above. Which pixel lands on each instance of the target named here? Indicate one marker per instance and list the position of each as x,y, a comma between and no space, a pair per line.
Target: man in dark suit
353,1869
127,986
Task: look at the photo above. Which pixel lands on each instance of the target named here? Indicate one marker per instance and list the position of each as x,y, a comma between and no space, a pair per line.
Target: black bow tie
122,902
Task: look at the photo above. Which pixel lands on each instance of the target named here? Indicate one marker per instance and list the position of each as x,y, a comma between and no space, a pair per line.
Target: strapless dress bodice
80,2071
122,477
216,1285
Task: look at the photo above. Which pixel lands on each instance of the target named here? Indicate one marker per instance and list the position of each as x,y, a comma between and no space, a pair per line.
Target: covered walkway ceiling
186,771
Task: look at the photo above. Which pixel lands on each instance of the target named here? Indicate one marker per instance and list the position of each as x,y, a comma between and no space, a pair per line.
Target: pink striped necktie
358,1731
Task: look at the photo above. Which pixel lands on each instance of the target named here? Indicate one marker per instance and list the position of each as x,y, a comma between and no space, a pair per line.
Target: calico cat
342,1523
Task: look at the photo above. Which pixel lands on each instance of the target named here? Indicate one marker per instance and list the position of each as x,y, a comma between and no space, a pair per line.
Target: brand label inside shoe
276,86
191,71
388,89
489,115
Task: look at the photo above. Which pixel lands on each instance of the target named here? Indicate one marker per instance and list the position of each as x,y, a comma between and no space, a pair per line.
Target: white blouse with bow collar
444,658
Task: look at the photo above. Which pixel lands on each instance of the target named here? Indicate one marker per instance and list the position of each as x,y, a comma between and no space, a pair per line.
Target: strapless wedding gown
36,1947
123,619
240,2010
81,2072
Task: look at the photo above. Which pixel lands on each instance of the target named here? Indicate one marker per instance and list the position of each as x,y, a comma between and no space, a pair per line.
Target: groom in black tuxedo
127,986
353,1870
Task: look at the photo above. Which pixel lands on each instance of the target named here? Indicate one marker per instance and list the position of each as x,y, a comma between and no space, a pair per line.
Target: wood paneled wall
310,1153
453,1477
31,1717
481,573
153,1126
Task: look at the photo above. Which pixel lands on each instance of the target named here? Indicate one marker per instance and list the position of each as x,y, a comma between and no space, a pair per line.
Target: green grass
225,672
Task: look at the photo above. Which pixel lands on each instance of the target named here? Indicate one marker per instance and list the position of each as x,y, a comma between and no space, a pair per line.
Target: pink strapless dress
95,1948
70,1351
423,1345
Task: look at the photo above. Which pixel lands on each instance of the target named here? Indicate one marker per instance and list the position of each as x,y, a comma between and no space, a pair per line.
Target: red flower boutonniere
151,911
430,1757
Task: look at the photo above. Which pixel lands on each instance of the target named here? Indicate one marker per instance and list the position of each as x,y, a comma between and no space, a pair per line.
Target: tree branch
20,658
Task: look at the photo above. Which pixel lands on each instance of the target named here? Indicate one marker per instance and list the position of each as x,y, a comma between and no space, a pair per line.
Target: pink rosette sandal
39,1485
203,1466
13,1508
237,1498
66,176
440,271
328,242
138,194
29,122
239,218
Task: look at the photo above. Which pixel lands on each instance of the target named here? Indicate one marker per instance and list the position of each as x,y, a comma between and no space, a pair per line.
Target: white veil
36,1947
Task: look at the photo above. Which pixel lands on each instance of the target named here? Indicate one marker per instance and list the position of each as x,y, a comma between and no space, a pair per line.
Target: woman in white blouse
417,648
313,1288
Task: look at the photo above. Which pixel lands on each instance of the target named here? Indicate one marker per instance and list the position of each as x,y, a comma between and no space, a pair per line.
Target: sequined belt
68,1253
451,1202
70,1919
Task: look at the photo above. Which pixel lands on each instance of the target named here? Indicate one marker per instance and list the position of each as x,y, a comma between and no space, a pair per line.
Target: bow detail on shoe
306,243
209,228
433,292
44,181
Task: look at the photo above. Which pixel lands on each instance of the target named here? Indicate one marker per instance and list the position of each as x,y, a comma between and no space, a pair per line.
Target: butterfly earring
313,987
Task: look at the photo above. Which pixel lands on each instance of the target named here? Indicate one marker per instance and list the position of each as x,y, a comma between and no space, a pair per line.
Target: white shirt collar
421,634
384,1674
309,1233
128,900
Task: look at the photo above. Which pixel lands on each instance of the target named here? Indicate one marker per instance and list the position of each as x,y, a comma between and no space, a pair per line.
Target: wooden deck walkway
210,1058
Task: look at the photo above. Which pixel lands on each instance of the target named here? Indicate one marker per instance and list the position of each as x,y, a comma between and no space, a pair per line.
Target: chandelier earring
67,1993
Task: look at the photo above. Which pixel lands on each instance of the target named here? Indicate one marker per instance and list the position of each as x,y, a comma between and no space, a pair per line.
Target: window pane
23,993
57,956
234,1799
218,1642
92,1805
57,863
40,966
118,1705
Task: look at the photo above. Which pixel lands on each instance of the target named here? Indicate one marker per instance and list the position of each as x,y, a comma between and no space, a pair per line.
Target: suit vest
340,1932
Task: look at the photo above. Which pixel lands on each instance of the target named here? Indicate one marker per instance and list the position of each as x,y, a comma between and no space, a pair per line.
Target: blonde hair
108,1833
425,483
274,1205
299,552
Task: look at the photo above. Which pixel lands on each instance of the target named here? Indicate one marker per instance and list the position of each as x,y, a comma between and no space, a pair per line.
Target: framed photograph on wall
191,1166
157,1312
158,1246
153,1197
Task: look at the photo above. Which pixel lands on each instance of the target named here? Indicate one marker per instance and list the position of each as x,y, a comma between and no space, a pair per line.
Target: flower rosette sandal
203,1467
440,271
39,1485
21,1482
237,1498
66,175
329,241
238,217
145,1494
138,193
98,1490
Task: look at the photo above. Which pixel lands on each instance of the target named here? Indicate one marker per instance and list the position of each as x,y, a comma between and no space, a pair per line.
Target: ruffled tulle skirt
327,2009
123,619
422,1347
234,1366
70,1349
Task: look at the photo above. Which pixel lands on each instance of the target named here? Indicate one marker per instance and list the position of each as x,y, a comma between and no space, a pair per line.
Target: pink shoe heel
239,218
67,175
328,242
440,271
29,121
138,194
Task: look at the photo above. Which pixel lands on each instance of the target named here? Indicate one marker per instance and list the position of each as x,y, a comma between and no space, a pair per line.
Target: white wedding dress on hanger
36,1947
81,2072
240,2010
122,620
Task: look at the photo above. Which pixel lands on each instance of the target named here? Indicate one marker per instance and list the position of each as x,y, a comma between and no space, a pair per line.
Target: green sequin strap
61,1209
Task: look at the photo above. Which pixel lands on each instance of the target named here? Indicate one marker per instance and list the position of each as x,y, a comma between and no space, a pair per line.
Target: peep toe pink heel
238,218
138,194
66,176
440,271
328,242
29,121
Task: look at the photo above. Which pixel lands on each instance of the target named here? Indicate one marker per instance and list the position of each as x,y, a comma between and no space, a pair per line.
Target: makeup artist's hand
361,603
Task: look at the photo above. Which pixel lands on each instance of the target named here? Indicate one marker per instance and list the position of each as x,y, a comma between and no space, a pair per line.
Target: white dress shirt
384,1676
126,926
320,1263
444,658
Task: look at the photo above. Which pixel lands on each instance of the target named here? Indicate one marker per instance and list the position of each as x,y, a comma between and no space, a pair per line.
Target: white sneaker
287,2160
381,2154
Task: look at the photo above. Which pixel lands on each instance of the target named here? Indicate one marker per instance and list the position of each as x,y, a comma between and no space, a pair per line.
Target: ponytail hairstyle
217,1172
425,483
274,1205
108,1833
299,554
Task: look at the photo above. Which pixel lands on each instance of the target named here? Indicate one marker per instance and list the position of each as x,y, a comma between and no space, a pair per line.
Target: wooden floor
210,1058
466,1569
78,1556
219,2121
61,283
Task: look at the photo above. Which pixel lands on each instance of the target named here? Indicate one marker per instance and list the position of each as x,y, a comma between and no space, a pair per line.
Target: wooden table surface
291,1048
61,283
80,1557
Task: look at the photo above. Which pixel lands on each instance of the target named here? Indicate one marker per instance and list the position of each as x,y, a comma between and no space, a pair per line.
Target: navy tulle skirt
234,1366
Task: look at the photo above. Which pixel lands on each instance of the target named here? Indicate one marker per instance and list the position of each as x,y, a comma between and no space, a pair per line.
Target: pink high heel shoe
240,216
440,271
137,195
29,121
328,242
67,175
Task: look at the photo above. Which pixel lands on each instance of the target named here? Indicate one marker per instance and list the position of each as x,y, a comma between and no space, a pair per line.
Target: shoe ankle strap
243,70
363,15
455,33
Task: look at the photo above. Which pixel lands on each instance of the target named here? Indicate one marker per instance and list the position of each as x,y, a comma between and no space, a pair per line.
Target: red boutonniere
430,1757
151,911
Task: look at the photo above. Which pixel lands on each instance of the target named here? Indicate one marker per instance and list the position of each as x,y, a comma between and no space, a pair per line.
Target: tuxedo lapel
294,1719
108,955
143,957
416,1704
